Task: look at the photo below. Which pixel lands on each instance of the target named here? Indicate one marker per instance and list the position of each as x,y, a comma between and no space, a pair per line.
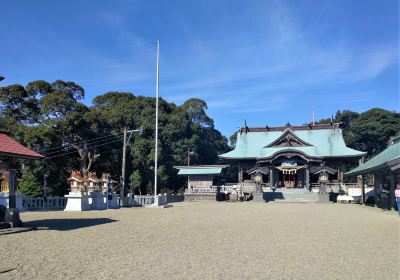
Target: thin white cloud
287,58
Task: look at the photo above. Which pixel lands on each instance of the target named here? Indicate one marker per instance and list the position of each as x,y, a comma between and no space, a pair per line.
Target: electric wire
71,147
87,147
80,142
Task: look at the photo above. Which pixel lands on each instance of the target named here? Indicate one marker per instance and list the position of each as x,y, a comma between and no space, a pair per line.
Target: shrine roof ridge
260,143
282,128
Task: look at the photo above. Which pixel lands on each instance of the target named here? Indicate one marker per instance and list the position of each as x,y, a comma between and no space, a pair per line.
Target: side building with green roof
385,168
290,156
200,178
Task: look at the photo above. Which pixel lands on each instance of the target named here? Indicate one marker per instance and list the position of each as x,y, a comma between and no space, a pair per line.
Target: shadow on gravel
67,224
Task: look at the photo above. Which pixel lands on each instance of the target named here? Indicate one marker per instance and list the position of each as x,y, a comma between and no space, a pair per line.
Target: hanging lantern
323,177
257,178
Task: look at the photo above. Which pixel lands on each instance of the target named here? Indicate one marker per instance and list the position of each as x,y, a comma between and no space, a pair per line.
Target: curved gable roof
288,134
323,143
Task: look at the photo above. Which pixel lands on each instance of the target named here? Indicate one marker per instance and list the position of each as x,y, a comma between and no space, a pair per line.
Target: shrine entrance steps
292,195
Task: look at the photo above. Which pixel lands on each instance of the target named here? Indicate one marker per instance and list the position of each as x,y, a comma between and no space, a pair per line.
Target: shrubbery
29,184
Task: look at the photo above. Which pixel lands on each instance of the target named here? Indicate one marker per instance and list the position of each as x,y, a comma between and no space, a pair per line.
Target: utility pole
122,186
126,142
108,179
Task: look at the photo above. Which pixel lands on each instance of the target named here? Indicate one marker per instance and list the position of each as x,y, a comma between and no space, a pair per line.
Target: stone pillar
391,192
359,177
362,189
272,177
240,175
301,178
307,178
12,213
12,186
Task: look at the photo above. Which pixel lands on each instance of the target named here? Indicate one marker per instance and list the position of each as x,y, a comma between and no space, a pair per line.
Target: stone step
285,190
278,196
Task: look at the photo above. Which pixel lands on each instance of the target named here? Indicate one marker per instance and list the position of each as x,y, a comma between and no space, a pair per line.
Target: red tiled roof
10,147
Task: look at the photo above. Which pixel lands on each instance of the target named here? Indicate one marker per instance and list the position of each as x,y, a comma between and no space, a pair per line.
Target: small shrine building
200,177
4,177
91,183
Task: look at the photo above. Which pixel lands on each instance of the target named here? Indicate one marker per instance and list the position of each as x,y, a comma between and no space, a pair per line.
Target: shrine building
290,156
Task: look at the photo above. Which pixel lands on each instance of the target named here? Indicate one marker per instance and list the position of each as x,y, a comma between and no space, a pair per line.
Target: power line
94,142
88,148
80,142
71,147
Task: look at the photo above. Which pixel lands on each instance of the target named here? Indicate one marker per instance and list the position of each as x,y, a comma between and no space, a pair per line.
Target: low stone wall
27,203
175,198
192,197
143,200
39,203
77,201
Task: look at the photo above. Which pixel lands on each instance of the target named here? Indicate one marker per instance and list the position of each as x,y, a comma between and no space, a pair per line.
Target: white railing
38,203
141,200
210,190
369,191
56,202
337,185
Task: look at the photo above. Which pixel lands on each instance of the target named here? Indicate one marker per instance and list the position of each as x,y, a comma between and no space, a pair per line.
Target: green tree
49,118
371,130
233,139
29,184
136,179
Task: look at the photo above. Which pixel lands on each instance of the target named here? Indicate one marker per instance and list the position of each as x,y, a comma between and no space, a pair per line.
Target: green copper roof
200,169
384,159
323,143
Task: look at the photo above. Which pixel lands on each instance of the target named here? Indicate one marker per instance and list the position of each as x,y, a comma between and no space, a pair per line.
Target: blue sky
265,61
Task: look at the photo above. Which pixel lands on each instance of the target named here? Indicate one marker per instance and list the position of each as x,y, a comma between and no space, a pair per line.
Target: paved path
207,240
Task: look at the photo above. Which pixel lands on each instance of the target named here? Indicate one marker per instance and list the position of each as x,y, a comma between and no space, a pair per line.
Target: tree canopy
50,118
369,131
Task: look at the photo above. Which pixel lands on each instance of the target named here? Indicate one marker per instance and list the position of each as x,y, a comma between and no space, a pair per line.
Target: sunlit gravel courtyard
207,240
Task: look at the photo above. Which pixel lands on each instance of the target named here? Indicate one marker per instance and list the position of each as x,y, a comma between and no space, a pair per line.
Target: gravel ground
207,240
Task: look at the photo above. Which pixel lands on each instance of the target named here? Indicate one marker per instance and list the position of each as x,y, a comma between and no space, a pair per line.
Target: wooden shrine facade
290,157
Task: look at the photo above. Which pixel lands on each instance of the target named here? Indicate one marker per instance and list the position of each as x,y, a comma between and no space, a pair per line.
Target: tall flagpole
156,144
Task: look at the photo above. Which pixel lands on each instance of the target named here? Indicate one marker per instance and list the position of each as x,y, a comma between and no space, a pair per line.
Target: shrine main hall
290,156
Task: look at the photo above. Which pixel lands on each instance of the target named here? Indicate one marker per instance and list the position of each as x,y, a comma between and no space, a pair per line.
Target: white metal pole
156,141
